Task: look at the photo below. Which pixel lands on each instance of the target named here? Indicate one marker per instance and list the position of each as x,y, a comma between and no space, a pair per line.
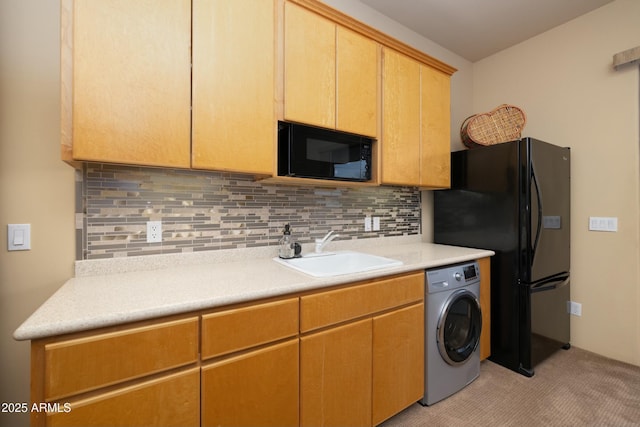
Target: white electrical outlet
154,231
376,223
367,223
574,308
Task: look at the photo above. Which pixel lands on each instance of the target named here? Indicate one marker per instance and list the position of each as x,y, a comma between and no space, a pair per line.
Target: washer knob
457,276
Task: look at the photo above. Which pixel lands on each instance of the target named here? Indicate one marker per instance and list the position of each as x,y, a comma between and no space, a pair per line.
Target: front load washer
453,322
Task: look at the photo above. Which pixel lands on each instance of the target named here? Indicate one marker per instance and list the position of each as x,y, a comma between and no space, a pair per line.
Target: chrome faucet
321,243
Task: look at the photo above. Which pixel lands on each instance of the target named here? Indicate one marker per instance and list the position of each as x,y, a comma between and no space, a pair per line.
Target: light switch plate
18,237
598,223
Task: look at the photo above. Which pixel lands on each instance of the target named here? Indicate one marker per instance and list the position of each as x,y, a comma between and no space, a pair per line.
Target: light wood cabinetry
415,123
400,119
127,83
259,387
357,88
143,404
350,355
330,74
485,305
185,84
234,119
251,325
309,67
398,361
335,383
435,131
351,373
106,375
126,71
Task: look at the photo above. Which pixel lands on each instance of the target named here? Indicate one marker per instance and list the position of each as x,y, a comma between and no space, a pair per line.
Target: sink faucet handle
329,234
321,243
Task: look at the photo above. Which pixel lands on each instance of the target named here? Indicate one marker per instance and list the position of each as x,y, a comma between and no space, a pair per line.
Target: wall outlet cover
154,231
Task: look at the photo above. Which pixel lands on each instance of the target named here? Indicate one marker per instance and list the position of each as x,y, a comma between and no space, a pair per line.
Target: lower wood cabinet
352,355
398,361
171,400
485,305
362,351
335,380
258,388
141,375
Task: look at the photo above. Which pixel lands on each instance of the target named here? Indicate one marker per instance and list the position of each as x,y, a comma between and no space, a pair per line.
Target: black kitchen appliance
311,152
514,198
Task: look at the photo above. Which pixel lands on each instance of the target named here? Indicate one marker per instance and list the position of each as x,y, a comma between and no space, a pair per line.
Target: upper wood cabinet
234,120
400,119
435,129
127,89
330,74
415,123
357,71
201,84
126,92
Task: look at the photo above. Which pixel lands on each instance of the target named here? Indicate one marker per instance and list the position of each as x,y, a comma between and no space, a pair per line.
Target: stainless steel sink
336,263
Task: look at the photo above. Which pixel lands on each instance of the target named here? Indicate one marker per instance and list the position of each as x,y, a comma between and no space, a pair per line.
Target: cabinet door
234,120
398,361
309,68
259,388
400,119
173,400
485,305
335,376
132,81
435,156
357,83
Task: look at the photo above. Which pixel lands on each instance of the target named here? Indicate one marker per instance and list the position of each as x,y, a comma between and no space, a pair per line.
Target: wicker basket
503,123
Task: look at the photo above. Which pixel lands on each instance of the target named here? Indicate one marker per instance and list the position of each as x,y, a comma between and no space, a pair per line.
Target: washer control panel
452,276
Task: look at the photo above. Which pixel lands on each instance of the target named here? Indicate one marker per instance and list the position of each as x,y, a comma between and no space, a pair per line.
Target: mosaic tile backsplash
210,210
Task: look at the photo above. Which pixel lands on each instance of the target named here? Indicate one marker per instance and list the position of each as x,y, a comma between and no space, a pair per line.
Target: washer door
459,327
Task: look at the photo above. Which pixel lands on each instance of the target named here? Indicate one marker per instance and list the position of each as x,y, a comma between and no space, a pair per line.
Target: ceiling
475,29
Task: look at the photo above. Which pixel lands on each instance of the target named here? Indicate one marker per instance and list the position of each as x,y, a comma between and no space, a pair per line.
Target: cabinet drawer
82,364
327,308
238,329
173,400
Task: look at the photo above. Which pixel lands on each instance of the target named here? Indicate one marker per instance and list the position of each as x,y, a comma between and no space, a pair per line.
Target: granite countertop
110,292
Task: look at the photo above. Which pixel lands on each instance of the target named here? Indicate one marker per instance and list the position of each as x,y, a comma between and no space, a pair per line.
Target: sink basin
336,263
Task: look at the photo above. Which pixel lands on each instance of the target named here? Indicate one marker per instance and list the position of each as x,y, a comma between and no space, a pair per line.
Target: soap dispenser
286,248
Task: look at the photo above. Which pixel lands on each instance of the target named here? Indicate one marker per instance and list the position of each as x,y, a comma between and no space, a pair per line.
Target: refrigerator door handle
539,225
555,282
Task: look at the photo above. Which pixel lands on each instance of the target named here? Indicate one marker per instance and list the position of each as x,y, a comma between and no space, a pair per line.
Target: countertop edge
43,323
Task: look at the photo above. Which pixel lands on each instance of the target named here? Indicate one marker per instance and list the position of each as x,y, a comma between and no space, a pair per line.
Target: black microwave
311,152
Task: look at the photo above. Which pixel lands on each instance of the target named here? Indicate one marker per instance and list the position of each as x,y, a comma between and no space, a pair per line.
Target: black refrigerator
514,198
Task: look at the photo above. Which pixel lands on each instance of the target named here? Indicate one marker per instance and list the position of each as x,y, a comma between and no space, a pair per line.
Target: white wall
35,186
565,82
